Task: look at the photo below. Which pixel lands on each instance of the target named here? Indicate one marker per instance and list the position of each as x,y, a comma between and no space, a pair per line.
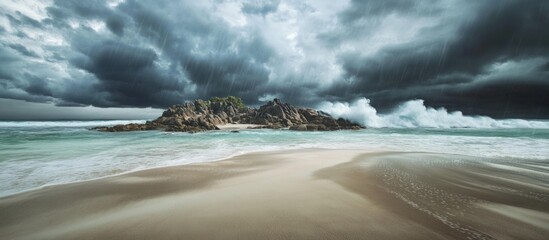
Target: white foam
414,114
72,157
43,124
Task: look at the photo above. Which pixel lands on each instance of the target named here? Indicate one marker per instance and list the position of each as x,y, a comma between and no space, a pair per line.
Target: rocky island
204,115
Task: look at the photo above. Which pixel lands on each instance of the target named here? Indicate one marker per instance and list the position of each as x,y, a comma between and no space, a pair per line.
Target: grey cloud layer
459,71
483,57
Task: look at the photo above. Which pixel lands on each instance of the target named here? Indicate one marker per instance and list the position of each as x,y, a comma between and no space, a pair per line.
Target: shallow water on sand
34,154
459,196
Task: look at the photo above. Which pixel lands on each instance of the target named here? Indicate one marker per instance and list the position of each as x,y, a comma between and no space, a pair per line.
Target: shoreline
312,193
159,167
187,164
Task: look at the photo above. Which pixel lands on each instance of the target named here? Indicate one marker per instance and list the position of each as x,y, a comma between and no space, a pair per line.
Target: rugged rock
125,128
281,115
194,116
203,115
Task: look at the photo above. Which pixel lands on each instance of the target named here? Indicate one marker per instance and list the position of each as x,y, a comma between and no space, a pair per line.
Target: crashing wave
414,114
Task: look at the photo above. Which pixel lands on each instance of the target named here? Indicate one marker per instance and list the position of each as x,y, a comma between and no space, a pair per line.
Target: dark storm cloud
545,67
129,75
437,70
524,97
163,58
260,7
482,57
37,86
224,64
116,24
363,9
363,16
220,75
7,58
64,10
21,19
23,50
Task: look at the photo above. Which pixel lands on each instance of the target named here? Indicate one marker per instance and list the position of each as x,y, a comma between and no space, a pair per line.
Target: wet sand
302,194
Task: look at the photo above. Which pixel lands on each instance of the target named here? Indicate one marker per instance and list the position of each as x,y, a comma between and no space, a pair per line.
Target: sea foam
414,114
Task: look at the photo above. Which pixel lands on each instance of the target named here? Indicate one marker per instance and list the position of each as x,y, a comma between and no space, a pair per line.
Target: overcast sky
488,57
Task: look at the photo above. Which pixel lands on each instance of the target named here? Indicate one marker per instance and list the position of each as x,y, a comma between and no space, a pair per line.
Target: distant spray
414,114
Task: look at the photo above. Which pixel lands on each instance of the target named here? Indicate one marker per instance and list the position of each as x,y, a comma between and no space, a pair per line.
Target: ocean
37,154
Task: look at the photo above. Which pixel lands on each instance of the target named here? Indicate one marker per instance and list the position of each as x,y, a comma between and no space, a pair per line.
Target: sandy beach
236,126
300,194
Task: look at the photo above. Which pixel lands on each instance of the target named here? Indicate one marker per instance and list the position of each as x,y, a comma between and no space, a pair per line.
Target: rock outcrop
203,115
194,116
281,115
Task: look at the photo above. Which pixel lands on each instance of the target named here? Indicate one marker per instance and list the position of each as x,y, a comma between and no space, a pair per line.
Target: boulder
301,127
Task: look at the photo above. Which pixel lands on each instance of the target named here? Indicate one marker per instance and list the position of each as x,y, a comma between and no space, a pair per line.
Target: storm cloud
487,57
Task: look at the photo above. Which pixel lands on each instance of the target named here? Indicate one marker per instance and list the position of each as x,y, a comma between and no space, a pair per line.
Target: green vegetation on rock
235,101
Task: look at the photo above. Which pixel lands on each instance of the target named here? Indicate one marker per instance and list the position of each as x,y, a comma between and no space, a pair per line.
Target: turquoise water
35,154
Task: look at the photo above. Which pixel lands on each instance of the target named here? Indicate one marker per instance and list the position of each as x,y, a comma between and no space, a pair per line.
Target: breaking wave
414,114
